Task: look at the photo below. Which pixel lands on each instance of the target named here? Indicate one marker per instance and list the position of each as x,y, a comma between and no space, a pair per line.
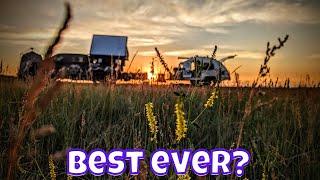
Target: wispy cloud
150,23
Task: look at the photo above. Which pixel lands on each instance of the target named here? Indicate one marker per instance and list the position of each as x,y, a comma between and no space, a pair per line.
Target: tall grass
282,136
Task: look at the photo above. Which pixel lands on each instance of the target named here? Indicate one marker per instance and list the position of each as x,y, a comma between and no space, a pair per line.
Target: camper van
201,70
29,63
75,65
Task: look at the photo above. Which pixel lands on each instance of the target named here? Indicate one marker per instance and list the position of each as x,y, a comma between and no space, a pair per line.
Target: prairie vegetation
282,134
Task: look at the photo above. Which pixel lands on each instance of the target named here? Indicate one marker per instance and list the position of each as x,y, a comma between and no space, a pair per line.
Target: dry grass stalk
29,113
164,64
264,71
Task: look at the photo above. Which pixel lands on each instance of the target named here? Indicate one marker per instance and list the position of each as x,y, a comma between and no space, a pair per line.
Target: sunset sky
177,28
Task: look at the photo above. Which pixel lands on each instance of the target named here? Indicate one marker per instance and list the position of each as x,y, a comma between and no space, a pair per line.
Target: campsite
107,95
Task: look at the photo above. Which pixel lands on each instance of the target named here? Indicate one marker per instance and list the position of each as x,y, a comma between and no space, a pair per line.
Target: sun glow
152,76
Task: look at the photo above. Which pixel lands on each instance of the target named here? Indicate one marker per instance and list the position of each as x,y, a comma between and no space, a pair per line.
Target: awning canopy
106,45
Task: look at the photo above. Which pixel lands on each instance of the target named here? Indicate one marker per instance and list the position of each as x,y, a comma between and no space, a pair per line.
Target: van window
211,66
206,66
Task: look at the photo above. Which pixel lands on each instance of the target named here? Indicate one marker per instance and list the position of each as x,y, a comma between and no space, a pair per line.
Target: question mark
244,157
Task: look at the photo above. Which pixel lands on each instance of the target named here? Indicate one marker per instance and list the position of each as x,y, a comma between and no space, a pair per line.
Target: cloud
147,53
237,11
25,36
250,55
154,23
187,52
217,30
150,23
155,41
241,54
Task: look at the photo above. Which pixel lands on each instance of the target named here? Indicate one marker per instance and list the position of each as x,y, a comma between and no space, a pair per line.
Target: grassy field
281,130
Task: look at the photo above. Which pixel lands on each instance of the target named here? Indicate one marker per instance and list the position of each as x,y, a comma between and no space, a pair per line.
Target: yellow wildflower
52,168
184,177
181,124
69,177
211,100
152,121
232,145
264,176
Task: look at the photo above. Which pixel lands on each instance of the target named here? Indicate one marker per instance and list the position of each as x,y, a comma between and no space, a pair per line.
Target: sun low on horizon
176,28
